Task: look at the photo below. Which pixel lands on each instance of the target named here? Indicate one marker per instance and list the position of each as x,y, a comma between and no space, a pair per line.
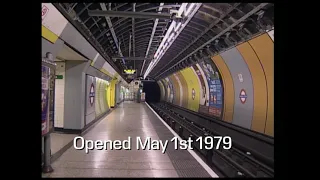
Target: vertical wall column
118,93
59,95
74,95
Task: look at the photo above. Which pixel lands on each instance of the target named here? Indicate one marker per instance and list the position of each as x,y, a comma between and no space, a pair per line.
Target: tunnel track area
251,154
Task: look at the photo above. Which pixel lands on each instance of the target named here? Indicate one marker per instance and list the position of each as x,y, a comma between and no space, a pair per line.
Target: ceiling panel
69,54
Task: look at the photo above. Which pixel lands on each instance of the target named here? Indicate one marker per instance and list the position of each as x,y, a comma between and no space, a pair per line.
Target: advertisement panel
203,108
170,89
166,90
215,88
45,100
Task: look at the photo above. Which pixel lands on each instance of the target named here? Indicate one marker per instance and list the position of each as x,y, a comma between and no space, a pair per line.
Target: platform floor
128,119
59,140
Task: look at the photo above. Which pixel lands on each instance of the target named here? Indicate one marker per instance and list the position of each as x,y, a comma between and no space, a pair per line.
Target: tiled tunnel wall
216,86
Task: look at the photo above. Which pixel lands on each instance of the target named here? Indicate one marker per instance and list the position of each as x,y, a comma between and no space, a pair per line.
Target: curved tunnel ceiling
131,33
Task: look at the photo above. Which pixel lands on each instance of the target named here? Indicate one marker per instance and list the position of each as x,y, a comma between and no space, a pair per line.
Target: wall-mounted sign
91,95
129,71
44,11
59,76
243,96
193,93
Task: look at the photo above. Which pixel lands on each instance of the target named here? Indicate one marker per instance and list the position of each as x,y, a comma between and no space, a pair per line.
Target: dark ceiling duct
210,50
189,61
192,60
265,18
235,37
227,40
197,58
220,45
250,27
204,53
183,64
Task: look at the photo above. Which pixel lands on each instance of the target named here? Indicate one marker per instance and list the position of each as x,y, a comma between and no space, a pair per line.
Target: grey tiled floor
58,141
128,119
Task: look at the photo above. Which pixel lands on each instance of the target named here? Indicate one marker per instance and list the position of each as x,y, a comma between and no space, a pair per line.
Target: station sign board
129,71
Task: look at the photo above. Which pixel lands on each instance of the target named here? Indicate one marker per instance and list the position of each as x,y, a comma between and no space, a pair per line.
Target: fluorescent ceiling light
190,8
178,26
164,45
182,8
171,36
173,24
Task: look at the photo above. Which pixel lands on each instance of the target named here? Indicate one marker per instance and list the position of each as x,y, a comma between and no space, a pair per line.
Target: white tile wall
59,96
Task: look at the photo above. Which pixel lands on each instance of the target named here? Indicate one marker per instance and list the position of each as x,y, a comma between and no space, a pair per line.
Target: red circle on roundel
243,96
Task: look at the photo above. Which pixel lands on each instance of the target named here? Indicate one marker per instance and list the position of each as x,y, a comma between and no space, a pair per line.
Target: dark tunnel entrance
152,90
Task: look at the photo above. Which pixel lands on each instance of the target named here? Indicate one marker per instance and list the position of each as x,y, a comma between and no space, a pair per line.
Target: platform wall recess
59,96
235,85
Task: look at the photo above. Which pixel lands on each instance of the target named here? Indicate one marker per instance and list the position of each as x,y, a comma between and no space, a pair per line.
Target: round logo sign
243,96
91,95
193,93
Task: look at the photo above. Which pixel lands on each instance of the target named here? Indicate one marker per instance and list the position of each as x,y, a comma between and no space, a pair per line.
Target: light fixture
190,8
182,8
178,26
171,36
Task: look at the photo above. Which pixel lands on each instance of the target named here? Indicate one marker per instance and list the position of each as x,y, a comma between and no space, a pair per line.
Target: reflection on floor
128,120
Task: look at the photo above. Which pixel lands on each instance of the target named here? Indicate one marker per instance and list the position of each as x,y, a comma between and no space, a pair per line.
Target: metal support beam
133,35
189,17
129,53
256,9
115,39
132,58
144,15
151,38
201,34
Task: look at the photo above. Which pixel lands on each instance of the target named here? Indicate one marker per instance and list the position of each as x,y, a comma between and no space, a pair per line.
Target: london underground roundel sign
243,96
193,94
91,95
